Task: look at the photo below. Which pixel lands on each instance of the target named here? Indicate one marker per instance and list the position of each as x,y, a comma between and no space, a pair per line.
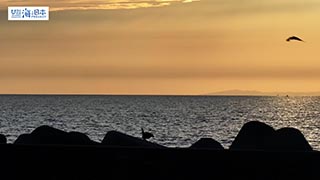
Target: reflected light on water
298,112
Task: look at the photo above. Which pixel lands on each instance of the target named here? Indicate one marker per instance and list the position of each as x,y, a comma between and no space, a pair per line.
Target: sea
175,121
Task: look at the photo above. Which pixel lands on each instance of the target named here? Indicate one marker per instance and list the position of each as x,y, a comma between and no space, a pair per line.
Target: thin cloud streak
207,7
92,5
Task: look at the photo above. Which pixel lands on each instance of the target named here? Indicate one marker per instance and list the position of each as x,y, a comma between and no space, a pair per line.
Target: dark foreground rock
256,135
286,155
253,135
3,139
103,162
207,143
288,139
115,138
50,135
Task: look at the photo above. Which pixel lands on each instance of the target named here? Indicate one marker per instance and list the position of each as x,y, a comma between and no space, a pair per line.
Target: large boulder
253,135
24,139
3,139
288,139
115,138
207,143
80,139
50,135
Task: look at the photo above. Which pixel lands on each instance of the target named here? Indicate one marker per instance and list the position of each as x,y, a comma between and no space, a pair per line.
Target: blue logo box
28,13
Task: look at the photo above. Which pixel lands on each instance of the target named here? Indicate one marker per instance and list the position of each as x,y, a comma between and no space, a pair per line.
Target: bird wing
294,38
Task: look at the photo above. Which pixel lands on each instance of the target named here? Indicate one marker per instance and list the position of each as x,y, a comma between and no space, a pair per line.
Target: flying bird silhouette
294,38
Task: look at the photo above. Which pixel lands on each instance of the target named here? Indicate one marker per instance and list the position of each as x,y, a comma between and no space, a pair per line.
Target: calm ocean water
176,121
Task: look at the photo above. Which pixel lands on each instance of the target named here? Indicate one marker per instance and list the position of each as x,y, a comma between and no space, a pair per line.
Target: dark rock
288,139
3,139
50,135
80,138
24,139
114,138
253,135
207,143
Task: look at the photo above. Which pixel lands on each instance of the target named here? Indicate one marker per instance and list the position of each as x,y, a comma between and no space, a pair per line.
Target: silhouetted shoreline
258,152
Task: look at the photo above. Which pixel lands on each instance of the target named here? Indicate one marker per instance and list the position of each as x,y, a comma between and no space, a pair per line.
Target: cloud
58,5
207,7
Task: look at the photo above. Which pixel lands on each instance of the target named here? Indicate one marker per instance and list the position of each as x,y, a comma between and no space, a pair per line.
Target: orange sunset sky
161,47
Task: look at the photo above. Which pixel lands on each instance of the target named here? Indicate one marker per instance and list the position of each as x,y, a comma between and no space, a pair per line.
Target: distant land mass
237,92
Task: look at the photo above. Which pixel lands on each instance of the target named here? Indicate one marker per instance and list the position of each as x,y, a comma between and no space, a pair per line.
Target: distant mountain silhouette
237,92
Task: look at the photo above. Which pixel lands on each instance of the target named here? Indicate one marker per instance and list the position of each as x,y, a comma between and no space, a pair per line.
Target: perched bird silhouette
146,135
294,38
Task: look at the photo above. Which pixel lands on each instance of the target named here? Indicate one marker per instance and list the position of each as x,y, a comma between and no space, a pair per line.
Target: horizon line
203,95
